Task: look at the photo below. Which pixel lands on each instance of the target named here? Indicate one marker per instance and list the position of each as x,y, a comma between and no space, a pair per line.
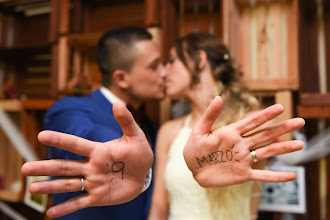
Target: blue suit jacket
91,117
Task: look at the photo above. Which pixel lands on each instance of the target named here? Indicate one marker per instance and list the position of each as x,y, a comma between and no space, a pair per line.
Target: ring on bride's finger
254,156
82,184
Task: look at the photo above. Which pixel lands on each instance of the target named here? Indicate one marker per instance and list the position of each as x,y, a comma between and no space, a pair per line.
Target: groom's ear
120,78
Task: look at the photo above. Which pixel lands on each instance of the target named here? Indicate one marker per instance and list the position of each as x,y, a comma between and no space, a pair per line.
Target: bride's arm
160,206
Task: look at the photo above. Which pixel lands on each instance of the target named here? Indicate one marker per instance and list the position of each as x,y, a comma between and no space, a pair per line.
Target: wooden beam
152,15
292,19
4,28
308,56
11,196
315,99
77,64
14,3
64,16
53,21
230,17
315,112
247,2
37,104
169,20
270,85
63,63
14,175
11,105
54,71
285,98
77,16
3,159
83,41
104,18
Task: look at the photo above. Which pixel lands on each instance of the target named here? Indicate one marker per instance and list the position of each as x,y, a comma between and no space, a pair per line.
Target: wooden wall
282,46
314,57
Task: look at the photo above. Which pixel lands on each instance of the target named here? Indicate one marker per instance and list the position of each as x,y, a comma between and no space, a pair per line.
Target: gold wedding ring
82,184
254,156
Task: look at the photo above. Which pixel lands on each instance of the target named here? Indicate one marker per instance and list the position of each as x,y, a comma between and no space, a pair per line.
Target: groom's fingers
67,142
210,116
53,168
61,185
258,118
125,120
69,206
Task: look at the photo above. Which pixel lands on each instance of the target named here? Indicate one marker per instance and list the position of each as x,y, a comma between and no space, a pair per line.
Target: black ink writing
215,156
222,160
212,158
116,168
229,155
203,159
108,170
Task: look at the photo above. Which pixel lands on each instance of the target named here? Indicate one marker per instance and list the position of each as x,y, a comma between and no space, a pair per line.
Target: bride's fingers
278,148
210,116
272,176
259,118
54,168
69,206
271,132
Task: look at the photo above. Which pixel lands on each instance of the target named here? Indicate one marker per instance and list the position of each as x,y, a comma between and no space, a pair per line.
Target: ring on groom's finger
82,184
254,156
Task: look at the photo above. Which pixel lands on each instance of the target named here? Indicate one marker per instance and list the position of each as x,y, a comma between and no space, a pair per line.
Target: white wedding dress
188,200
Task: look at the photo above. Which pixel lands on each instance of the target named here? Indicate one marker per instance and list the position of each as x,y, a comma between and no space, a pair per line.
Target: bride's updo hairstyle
237,100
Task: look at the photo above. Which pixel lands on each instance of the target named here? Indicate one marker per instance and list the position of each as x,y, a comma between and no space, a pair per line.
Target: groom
132,73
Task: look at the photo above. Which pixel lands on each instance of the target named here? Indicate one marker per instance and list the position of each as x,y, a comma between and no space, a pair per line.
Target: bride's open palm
224,156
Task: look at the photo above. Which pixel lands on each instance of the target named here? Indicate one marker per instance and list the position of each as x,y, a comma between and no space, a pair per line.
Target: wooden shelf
84,41
37,104
270,85
314,105
16,105
10,159
19,51
11,196
317,99
9,105
313,111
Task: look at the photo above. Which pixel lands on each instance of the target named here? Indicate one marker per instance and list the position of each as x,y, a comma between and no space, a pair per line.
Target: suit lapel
98,98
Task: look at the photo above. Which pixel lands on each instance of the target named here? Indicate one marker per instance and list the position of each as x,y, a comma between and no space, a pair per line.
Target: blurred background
47,52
